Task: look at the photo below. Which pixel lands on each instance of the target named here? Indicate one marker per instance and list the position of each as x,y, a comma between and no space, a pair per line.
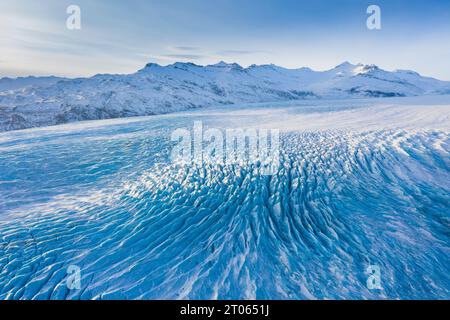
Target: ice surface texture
368,186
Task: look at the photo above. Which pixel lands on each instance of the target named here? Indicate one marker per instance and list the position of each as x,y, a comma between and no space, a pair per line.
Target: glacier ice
360,183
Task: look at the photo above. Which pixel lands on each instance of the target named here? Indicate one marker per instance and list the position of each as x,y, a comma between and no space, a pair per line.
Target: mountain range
40,101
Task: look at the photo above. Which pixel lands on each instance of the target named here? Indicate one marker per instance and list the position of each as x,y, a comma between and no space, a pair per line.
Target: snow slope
360,183
163,89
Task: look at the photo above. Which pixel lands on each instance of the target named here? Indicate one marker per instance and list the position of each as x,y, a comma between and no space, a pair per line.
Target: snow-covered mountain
32,102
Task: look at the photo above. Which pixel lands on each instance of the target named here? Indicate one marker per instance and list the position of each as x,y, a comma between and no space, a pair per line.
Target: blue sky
120,36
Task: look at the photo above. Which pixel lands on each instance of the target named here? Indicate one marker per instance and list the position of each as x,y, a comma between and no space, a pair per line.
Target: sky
121,36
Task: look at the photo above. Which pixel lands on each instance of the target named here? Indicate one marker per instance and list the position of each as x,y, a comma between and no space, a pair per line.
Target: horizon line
245,66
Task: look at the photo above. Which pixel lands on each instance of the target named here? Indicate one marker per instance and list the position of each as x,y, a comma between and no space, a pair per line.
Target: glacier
42,101
361,182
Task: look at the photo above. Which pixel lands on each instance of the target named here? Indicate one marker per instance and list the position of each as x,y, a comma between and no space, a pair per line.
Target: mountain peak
148,66
223,64
151,64
345,64
184,64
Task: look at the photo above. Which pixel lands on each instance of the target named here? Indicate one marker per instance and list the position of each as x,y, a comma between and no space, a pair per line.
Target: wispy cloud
184,56
232,52
184,48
